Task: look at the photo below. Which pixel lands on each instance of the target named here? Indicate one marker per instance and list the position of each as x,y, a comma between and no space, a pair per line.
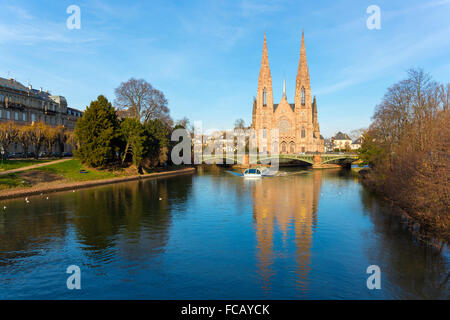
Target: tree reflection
416,270
131,218
26,230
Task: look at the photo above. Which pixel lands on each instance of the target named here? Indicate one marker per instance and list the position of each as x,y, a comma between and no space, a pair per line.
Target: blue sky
205,55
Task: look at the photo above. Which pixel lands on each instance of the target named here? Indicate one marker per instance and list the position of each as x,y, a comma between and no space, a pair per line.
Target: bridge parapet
316,160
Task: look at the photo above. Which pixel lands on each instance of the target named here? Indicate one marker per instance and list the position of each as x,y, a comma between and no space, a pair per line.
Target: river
308,234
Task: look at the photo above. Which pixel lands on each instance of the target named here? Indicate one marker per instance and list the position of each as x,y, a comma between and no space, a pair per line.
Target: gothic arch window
292,147
303,96
303,132
265,97
265,133
283,147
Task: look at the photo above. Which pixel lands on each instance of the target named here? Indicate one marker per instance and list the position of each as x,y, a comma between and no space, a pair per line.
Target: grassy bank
12,180
72,171
16,164
62,172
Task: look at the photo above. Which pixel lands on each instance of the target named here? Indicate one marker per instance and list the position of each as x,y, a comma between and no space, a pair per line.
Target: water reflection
280,202
134,218
396,248
187,236
22,235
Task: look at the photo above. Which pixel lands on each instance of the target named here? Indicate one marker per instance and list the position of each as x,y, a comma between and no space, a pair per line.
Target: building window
1,113
24,116
16,116
292,147
303,132
303,96
264,133
284,126
265,97
283,147
33,117
8,115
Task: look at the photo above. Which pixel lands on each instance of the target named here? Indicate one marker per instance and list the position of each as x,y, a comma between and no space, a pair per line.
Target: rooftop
341,136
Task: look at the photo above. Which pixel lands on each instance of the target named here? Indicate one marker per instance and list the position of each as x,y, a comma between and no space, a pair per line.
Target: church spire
265,69
303,70
284,88
302,86
264,96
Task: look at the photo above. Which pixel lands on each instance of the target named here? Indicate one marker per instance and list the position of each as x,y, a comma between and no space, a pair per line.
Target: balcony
13,105
50,112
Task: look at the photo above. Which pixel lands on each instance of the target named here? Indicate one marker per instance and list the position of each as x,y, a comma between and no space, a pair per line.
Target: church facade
296,122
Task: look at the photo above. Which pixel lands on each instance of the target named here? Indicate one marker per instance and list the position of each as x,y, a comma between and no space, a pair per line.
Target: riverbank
66,185
423,231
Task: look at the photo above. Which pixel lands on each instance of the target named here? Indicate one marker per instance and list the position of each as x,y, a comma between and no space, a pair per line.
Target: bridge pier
245,160
317,160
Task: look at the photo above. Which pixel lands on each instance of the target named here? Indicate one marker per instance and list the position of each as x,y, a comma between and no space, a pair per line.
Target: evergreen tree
132,133
97,133
157,141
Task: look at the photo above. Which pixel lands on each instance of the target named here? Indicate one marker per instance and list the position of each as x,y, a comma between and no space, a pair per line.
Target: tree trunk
125,153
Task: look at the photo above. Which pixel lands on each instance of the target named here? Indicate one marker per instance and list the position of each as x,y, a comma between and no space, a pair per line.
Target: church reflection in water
285,206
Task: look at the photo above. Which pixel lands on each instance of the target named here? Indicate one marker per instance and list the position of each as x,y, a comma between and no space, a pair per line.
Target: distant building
125,113
25,105
356,144
221,138
328,144
341,141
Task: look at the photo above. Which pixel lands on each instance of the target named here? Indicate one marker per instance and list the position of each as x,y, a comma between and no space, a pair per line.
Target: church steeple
264,96
302,87
284,88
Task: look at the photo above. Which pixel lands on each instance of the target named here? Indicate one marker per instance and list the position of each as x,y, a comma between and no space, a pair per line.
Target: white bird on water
26,199
4,207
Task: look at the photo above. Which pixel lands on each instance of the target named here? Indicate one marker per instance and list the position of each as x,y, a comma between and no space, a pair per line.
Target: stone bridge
316,160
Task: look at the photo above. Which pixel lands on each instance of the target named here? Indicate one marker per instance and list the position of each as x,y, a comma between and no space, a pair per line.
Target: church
296,122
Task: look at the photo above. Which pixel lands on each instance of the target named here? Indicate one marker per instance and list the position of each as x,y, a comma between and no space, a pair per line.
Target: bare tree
355,134
185,123
407,144
142,101
24,138
37,137
8,134
239,124
444,94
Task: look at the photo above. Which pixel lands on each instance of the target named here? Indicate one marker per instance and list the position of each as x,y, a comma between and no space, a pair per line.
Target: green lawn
12,180
15,164
71,170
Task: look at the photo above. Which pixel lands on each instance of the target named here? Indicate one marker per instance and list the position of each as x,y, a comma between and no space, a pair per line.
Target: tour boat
252,173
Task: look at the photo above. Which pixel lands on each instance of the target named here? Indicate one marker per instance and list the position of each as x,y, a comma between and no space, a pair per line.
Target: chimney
40,89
